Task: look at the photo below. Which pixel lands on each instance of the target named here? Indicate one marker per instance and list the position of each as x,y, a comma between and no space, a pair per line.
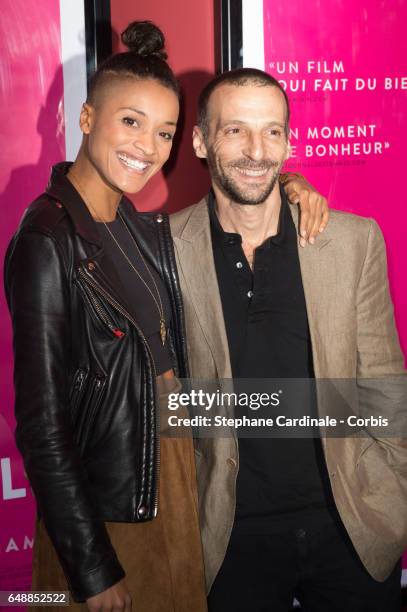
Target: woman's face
129,131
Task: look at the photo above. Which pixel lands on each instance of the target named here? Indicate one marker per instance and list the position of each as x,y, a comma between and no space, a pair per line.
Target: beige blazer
353,336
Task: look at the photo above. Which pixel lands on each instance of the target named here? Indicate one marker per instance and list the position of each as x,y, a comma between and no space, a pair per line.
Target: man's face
246,143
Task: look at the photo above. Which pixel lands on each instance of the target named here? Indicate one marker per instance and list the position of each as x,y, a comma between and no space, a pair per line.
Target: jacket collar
61,189
195,259
197,222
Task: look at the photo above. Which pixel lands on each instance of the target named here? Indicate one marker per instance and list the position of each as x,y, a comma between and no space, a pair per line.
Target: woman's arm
314,211
38,295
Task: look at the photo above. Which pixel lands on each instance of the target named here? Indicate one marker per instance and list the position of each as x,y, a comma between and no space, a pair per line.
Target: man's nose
254,146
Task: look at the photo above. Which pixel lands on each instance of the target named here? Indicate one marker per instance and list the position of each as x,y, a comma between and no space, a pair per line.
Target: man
326,523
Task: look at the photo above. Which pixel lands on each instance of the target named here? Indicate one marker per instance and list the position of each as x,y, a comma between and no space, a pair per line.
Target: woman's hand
314,212
115,598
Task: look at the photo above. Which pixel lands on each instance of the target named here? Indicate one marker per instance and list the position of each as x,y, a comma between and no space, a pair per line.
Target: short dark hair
145,59
239,77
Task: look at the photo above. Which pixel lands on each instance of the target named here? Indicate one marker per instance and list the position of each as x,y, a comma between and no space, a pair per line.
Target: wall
348,93
40,103
30,92
190,47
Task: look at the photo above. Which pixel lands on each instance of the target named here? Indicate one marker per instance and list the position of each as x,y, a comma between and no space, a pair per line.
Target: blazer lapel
195,257
318,272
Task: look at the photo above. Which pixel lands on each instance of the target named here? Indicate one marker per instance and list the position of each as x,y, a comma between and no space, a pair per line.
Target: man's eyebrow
222,124
143,114
228,121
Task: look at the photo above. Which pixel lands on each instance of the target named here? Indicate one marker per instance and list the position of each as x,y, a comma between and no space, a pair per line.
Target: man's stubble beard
230,187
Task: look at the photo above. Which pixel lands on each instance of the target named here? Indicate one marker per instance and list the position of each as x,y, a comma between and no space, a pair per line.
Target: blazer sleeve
381,376
37,289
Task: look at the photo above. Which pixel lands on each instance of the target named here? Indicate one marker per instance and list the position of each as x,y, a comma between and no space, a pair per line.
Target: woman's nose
145,141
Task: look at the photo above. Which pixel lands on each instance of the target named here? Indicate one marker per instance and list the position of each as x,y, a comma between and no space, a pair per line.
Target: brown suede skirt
162,558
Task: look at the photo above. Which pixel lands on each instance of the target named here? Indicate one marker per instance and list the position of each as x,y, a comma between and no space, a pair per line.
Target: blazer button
231,462
142,511
91,266
159,218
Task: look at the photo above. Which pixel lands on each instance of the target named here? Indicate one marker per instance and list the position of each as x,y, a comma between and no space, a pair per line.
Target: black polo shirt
268,335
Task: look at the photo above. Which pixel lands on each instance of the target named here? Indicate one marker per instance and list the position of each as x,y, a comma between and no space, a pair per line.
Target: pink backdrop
30,96
343,67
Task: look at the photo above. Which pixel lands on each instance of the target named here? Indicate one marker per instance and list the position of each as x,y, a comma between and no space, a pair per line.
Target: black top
134,293
268,335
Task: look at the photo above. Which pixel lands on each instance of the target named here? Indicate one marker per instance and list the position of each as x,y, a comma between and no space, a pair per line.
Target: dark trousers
315,563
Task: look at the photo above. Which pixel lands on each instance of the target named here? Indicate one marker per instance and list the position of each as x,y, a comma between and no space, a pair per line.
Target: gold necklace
158,303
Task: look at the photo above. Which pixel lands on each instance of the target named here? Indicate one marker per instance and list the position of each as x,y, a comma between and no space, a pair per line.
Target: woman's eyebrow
140,112
135,110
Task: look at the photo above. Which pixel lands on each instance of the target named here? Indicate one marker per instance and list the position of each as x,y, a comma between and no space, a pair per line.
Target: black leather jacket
86,410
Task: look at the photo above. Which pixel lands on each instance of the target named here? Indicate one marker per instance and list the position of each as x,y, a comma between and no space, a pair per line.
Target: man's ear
86,118
198,142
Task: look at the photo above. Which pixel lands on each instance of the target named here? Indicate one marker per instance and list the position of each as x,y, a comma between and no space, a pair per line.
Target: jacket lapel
318,272
195,257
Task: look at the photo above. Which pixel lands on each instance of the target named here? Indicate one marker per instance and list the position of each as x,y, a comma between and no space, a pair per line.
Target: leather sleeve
170,276
37,288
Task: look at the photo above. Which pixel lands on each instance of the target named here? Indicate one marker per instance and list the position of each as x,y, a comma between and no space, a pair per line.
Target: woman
99,341
98,335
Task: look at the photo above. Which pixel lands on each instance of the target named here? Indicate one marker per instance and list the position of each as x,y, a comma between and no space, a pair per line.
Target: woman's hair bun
145,39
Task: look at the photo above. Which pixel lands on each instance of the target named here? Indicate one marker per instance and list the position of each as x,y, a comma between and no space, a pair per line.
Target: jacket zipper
87,278
115,330
76,394
89,416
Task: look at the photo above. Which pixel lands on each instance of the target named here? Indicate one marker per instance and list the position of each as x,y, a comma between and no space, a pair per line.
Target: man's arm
381,377
379,352
314,212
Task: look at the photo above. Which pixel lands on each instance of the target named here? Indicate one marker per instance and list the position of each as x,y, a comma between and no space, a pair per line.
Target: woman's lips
133,163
